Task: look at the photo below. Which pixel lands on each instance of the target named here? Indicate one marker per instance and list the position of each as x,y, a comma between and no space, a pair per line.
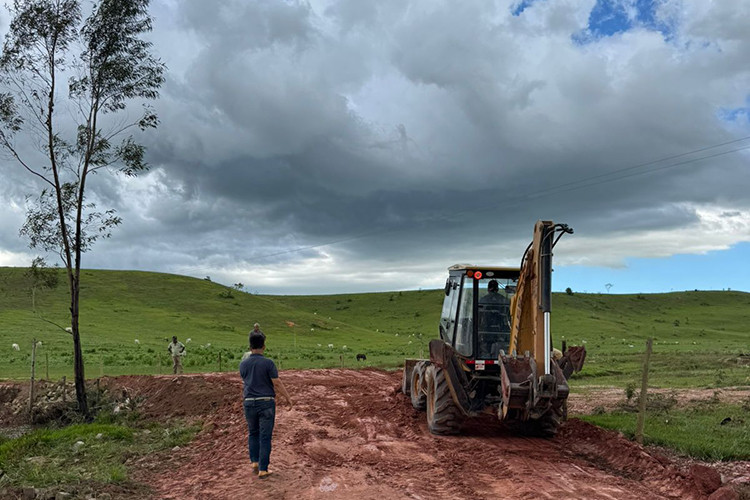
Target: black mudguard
444,356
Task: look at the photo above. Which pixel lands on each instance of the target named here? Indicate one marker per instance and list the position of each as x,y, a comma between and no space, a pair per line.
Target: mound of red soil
352,434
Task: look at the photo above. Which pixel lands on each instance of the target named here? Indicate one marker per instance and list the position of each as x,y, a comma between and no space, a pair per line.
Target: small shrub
569,291
629,391
721,377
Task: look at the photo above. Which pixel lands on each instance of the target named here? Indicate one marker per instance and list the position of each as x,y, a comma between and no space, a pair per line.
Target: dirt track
352,434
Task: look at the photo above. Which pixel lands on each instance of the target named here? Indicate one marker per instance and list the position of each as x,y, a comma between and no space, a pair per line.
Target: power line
560,188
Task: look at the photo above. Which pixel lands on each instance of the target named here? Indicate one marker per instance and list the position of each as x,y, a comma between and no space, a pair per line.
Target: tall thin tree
108,64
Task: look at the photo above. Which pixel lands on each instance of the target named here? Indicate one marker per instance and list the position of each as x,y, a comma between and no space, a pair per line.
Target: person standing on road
256,329
260,382
177,350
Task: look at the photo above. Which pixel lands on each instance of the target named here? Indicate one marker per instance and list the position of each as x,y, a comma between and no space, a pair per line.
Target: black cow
361,357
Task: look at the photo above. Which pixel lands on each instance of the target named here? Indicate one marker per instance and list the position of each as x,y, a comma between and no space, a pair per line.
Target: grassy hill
698,336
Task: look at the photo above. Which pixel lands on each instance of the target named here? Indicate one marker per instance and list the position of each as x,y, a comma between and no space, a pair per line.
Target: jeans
260,416
176,365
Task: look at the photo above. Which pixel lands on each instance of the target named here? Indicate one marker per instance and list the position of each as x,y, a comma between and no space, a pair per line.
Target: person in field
177,350
260,380
256,329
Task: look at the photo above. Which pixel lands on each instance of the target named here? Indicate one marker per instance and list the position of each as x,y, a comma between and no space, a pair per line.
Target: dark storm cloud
421,132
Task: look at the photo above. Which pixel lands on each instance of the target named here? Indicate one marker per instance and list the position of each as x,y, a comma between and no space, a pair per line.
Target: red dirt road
352,434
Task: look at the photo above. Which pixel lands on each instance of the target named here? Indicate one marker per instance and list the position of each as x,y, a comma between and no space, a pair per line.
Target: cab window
464,327
493,316
448,316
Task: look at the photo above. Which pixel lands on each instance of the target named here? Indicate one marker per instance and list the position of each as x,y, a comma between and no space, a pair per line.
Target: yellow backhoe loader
495,351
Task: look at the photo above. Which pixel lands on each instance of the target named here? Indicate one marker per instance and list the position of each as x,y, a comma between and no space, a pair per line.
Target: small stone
176,448
77,445
99,436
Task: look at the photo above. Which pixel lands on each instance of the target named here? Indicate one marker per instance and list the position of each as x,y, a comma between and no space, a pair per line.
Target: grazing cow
361,357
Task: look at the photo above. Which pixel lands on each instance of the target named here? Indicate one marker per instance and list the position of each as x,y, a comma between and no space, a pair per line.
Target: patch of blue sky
740,115
518,8
717,270
610,17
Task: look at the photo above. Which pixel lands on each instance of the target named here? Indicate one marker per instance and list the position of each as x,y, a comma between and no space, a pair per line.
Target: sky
338,146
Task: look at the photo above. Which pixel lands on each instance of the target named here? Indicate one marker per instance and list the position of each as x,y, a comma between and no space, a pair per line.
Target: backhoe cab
495,349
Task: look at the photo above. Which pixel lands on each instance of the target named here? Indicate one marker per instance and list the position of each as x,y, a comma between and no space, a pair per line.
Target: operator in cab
493,296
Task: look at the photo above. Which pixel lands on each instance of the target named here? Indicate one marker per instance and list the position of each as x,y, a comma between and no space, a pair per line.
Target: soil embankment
352,434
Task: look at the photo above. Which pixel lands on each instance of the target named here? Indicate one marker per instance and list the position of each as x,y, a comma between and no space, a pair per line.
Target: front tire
443,417
417,393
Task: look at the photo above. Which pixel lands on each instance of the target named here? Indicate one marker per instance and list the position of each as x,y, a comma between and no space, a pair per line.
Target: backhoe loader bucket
572,360
531,396
518,374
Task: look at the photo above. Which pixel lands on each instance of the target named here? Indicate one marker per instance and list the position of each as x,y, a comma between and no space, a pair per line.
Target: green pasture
85,454
118,308
699,337
709,431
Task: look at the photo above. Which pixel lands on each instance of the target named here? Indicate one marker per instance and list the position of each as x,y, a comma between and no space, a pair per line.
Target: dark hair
493,285
257,340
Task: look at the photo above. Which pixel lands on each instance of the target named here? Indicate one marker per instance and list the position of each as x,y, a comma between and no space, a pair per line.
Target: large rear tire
416,387
443,417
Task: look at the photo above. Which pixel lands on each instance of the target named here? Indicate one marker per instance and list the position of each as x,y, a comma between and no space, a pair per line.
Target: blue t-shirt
256,372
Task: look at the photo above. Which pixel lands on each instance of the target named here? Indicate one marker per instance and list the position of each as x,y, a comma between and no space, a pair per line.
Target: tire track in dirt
352,434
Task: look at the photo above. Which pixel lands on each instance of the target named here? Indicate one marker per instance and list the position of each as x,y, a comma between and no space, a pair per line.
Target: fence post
33,367
219,361
98,393
644,394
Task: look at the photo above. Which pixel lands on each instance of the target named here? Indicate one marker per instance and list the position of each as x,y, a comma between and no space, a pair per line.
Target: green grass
698,336
119,307
47,457
695,431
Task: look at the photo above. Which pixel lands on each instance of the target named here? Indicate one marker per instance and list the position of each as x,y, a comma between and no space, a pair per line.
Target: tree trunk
80,379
